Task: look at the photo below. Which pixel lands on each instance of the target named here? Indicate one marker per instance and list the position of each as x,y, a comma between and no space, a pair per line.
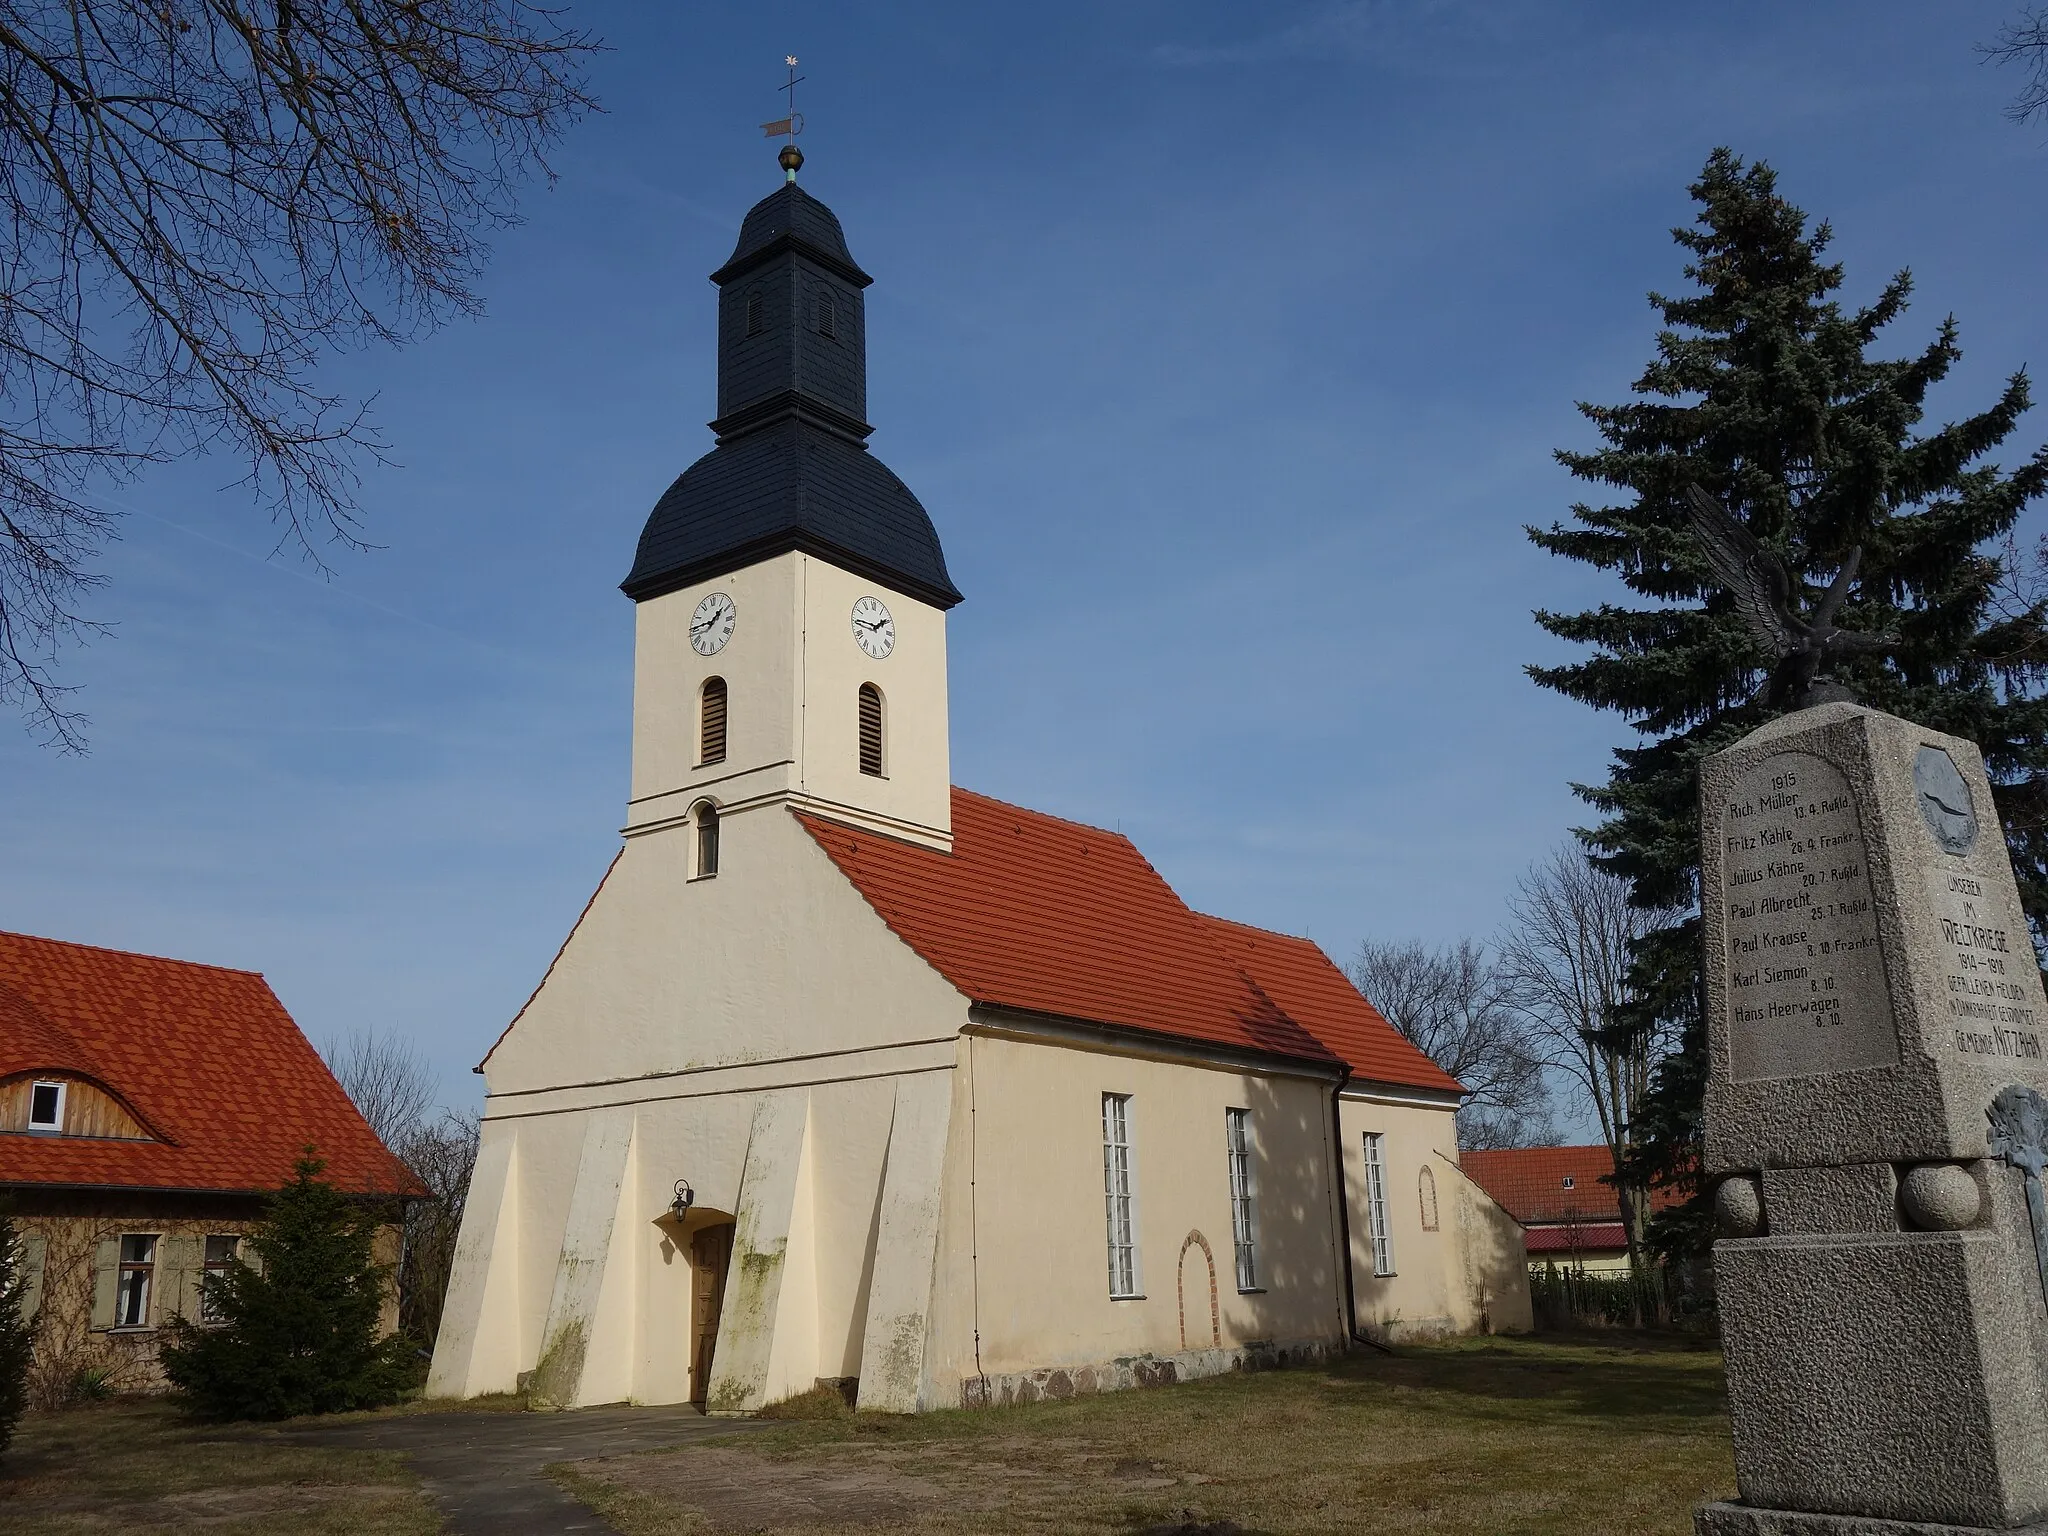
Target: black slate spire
791,469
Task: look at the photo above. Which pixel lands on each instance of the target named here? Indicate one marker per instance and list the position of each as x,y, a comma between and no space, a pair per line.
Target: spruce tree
17,1334
298,1331
1763,393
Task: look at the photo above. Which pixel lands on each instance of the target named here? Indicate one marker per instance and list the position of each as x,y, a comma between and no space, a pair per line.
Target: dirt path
484,1469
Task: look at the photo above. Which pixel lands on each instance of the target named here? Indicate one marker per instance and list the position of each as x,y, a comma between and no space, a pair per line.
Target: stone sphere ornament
1940,1197
1739,1207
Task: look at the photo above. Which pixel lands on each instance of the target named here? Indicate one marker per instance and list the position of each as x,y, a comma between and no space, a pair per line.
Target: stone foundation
1055,1383
1742,1520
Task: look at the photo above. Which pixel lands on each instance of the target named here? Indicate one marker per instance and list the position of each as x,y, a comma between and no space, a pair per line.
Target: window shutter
34,1250
828,317
106,1275
712,725
871,730
178,1258
754,312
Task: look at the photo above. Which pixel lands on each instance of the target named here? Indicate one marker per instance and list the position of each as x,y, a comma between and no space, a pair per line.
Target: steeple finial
791,159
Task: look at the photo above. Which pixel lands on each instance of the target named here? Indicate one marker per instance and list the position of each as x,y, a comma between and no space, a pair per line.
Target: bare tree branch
1564,968
1450,1003
200,199
2024,42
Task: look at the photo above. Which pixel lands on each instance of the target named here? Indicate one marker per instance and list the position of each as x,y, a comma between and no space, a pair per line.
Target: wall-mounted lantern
685,1198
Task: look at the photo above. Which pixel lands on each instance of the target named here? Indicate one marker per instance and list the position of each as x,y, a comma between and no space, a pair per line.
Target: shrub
16,1333
298,1331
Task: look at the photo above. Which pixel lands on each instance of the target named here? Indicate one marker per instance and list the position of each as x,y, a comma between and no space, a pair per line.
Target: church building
848,1075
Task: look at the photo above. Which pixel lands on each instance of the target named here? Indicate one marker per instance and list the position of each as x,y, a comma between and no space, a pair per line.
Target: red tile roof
1607,1238
1048,916
206,1058
1528,1182
1304,981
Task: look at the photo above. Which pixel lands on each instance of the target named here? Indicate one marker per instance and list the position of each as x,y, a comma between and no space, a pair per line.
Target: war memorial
1875,1118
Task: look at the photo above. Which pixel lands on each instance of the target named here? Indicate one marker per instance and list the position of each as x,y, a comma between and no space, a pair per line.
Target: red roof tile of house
1605,1238
1048,916
1529,1182
1304,981
206,1058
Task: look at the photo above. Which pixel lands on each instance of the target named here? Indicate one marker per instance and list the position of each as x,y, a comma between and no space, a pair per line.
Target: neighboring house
146,1108
848,1073
1565,1199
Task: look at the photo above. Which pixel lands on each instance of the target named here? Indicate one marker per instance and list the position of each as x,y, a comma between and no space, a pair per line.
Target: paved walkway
483,1469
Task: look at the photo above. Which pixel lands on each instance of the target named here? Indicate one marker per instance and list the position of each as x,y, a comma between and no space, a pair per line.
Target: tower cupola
791,468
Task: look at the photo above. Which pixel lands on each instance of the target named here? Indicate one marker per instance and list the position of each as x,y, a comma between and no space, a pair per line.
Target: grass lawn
116,1466
1611,1432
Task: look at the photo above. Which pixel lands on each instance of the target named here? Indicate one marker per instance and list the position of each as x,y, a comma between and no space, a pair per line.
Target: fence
1572,1298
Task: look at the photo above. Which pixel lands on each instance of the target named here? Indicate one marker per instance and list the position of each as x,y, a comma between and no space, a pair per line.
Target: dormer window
1570,1182
46,1107
753,311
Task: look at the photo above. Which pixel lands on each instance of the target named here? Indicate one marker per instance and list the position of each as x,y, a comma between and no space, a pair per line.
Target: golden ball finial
791,160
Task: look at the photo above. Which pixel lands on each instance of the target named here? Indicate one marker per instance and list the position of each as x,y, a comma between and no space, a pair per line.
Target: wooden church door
710,1253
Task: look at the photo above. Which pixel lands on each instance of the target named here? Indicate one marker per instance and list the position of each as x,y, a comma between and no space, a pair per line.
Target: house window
221,1251
46,1107
1425,1187
753,311
1376,1204
828,317
1118,1194
871,730
707,840
138,1272
711,722
1237,1143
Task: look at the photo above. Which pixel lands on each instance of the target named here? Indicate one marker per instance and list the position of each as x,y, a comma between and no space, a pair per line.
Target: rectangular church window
1376,1204
1237,1142
1119,1196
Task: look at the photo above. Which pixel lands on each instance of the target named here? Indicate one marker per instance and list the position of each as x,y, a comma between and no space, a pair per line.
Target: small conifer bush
15,1332
298,1329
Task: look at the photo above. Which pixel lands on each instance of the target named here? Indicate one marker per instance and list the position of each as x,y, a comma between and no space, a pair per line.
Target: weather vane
791,157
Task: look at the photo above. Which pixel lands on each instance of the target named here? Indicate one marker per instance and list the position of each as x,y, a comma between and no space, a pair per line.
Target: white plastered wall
1024,1243
793,674
676,1010
1448,1281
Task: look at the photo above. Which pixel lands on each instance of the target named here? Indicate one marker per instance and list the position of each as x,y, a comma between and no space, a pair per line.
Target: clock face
873,629
711,625
1944,800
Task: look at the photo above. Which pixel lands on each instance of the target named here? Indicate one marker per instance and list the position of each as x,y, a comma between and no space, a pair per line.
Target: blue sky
1227,346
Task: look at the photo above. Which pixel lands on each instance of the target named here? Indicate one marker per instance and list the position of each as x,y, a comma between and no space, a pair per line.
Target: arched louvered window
1425,1187
711,722
753,311
707,840
828,316
871,729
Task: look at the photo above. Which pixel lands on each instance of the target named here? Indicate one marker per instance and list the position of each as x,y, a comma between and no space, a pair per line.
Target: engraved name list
1805,978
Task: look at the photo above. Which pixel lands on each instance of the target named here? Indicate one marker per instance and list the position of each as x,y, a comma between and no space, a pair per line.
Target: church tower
791,592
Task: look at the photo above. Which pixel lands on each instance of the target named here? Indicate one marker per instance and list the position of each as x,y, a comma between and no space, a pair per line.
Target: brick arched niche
1196,1240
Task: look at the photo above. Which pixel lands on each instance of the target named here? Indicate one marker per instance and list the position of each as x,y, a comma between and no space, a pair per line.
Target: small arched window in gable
707,839
711,722
1426,1188
828,316
753,311
871,730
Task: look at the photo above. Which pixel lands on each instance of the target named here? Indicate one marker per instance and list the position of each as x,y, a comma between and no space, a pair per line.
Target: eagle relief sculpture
1804,647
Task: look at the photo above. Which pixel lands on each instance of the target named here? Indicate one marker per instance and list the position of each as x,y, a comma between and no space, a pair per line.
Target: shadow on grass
1603,1375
